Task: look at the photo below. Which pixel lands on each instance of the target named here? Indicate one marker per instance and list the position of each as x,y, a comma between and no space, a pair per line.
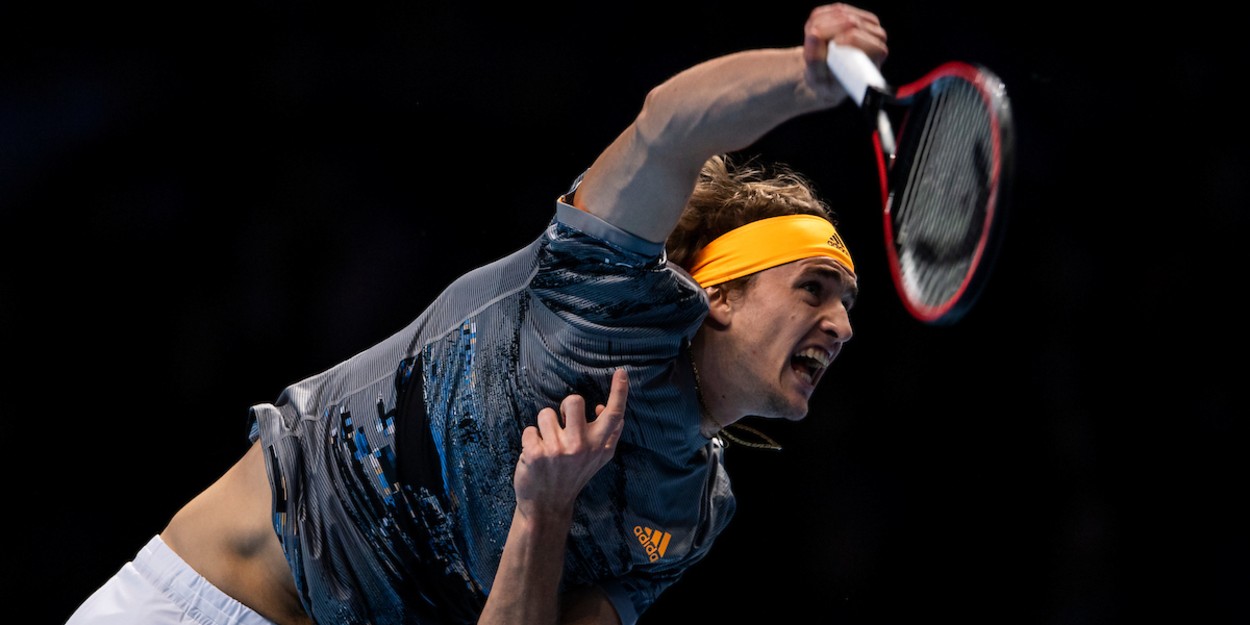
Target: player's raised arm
642,180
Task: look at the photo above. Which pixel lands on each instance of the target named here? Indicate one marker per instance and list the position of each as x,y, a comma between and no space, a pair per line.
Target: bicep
641,182
637,187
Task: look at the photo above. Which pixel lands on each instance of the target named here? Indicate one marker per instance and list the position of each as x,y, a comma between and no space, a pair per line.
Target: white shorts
159,588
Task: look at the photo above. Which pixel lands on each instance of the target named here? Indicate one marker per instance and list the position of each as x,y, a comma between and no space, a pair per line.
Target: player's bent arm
527,584
641,182
557,460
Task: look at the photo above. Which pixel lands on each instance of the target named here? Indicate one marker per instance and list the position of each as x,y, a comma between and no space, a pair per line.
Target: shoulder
573,224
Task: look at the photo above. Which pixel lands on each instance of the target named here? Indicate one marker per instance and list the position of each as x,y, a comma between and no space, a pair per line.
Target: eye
848,301
814,291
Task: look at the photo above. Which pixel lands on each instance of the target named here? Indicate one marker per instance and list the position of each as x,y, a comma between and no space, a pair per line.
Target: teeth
817,354
812,361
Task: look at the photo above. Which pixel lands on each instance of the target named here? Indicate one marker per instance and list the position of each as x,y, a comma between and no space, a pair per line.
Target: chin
789,411
789,404
797,416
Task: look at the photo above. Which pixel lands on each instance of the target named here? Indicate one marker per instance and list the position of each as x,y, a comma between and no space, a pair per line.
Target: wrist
544,517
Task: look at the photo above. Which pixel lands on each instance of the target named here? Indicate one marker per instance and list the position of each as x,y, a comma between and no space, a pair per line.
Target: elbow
666,127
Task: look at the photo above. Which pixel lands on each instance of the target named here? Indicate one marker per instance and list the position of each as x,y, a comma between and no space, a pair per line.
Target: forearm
641,182
728,103
527,585
558,458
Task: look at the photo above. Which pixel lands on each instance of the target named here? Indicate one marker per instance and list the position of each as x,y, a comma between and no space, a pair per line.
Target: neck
715,410
712,423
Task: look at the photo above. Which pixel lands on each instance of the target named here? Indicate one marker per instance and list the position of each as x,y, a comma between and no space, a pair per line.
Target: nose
836,322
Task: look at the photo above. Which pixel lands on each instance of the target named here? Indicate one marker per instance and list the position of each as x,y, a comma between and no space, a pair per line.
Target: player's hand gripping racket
945,152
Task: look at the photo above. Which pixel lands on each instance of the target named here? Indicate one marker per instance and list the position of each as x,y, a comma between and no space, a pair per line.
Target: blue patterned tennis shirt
392,471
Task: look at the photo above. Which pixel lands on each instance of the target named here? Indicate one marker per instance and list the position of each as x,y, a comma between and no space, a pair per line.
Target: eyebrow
826,271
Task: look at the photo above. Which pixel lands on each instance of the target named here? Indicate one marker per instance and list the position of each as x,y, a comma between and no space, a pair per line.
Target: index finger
617,395
610,419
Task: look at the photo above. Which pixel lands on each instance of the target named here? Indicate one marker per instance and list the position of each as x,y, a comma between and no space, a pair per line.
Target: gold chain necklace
767,441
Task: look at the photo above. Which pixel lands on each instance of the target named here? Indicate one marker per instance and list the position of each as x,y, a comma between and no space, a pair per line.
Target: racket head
945,189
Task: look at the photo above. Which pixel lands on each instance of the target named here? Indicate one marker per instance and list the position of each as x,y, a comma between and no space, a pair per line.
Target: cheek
796,316
786,308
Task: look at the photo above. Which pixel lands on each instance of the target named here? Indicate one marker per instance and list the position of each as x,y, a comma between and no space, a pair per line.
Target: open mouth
811,362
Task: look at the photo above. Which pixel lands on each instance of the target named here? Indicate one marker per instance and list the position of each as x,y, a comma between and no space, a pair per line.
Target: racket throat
874,111
886,132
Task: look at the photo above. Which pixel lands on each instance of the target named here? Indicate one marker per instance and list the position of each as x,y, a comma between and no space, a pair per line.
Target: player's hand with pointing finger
558,460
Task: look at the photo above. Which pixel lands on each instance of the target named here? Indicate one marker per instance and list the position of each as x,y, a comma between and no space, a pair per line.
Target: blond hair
729,195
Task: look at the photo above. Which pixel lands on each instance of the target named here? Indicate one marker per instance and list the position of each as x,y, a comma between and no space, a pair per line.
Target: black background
203,203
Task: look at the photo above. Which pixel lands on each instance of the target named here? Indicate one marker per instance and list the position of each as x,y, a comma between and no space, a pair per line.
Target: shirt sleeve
605,281
622,601
634,594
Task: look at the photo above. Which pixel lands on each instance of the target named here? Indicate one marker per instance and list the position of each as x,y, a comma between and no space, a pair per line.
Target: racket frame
873,95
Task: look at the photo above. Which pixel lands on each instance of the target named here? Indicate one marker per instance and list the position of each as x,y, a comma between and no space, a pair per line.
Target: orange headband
767,243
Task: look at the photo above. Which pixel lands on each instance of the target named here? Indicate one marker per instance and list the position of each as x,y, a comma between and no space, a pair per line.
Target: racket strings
938,209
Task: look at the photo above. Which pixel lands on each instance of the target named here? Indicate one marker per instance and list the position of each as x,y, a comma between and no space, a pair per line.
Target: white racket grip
855,71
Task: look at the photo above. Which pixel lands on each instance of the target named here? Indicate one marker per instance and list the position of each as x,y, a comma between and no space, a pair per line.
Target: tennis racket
944,146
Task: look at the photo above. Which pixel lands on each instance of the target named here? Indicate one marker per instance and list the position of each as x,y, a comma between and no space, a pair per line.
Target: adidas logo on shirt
654,542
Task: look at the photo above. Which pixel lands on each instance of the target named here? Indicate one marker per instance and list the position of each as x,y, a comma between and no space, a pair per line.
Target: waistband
203,601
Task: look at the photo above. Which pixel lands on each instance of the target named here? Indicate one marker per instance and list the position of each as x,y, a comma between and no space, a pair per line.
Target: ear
720,307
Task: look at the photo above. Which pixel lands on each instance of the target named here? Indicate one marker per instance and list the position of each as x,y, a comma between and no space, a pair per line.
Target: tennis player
430,478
